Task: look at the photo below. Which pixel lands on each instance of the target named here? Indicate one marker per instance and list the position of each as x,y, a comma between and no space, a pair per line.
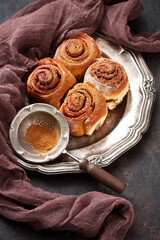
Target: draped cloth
34,33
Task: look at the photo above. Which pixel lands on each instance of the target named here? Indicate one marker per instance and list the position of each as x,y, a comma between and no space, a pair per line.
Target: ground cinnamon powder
42,138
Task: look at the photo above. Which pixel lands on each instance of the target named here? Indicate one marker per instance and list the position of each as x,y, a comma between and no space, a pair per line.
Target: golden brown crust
85,109
77,53
109,78
49,82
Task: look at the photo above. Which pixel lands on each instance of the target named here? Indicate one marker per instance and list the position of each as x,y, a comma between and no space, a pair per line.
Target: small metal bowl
39,114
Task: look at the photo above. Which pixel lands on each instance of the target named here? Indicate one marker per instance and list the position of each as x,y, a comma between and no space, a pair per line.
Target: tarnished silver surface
128,130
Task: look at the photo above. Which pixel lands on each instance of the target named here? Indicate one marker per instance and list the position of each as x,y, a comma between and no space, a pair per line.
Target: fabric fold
114,26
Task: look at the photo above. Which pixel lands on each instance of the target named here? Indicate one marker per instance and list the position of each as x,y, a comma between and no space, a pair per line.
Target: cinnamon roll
85,109
49,82
77,53
110,79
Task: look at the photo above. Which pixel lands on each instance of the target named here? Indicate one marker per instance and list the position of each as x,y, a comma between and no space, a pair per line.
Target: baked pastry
110,79
49,82
77,53
85,109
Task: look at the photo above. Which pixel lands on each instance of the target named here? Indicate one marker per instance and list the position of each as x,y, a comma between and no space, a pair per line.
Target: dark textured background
139,167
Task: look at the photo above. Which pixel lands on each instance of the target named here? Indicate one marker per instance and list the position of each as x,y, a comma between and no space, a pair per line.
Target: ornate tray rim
135,132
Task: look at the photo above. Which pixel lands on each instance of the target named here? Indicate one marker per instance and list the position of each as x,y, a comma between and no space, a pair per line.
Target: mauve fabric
114,26
31,34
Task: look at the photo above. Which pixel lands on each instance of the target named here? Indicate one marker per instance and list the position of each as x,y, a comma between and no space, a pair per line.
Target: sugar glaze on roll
110,79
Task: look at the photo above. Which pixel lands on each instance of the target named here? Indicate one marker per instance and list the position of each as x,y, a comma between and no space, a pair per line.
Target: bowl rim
41,157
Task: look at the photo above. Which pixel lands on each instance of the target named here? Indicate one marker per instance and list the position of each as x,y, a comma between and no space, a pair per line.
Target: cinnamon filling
45,77
108,72
76,101
75,48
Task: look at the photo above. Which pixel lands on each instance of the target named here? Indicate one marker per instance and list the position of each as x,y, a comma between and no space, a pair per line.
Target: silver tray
124,125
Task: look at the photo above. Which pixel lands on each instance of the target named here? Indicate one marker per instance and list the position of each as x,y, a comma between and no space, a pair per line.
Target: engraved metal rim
135,132
26,113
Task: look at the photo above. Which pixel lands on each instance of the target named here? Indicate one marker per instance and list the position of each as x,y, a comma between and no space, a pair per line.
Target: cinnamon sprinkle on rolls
110,79
85,109
77,53
49,82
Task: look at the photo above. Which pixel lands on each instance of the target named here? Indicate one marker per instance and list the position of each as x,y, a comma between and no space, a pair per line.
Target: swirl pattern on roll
109,78
77,53
49,82
85,109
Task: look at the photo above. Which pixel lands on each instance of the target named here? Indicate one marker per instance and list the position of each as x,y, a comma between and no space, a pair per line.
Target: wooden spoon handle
103,176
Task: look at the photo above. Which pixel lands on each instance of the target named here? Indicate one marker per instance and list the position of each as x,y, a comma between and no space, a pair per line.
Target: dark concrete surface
139,167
